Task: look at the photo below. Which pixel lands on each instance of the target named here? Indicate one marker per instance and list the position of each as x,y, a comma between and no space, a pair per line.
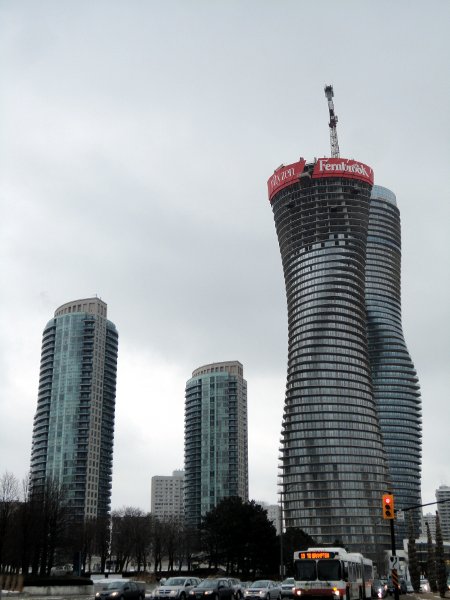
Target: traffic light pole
394,571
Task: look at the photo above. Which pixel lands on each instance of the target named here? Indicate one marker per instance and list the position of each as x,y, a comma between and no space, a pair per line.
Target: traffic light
388,506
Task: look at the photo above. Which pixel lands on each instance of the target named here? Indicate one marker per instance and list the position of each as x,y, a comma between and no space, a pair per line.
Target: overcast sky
136,139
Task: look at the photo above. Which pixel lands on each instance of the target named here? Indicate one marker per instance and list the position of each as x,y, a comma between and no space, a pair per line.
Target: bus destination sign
315,555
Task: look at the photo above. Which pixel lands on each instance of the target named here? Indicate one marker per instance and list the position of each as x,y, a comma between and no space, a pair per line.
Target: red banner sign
283,176
343,167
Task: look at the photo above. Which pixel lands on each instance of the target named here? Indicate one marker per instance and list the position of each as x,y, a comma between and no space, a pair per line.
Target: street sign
394,562
400,515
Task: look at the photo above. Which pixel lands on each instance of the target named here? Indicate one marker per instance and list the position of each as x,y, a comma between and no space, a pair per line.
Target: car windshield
175,581
328,569
113,585
208,583
262,583
289,581
305,570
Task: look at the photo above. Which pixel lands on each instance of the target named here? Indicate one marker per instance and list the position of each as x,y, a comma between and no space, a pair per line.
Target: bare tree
441,573
157,544
126,536
431,561
413,563
51,513
190,544
102,540
172,529
9,497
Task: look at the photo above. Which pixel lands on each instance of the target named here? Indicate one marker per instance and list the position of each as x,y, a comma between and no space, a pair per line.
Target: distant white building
429,519
167,496
273,514
443,493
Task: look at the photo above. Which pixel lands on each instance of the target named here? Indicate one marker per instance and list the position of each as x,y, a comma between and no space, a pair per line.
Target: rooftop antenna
333,121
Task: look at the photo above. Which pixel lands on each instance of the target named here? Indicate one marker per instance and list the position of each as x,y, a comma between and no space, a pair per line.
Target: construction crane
333,121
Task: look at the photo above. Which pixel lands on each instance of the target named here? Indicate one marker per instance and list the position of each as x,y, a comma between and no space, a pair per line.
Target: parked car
238,590
287,588
212,589
176,587
263,588
121,590
424,585
379,589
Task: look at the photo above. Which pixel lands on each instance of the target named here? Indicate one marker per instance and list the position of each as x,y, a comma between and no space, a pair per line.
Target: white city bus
332,573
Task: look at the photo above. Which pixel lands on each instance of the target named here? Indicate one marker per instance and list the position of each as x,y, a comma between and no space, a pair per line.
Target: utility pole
389,513
329,93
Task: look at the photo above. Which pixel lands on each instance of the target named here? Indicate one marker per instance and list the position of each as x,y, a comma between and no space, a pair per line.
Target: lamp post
281,537
284,489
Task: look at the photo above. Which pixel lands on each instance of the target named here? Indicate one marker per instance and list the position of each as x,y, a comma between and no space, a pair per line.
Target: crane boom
333,121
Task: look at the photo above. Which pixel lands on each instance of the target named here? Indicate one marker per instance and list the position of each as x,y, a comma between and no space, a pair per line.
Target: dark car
212,589
402,589
379,589
121,590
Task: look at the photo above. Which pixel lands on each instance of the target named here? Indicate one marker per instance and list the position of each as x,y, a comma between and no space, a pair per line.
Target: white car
424,585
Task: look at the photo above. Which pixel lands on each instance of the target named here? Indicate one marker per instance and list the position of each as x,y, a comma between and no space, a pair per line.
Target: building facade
430,520
273,514
73,429
215,438
443,493
333,463
395,384
167,496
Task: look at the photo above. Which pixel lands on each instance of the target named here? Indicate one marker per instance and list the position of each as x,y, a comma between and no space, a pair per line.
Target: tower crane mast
333,121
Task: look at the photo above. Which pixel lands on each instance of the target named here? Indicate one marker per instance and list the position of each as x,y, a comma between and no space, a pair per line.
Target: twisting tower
333,462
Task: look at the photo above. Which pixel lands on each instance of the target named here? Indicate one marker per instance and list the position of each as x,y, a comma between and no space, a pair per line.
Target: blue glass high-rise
73,430
215,438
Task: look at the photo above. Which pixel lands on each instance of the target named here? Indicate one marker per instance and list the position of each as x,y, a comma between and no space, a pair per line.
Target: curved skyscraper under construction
395,384
333,462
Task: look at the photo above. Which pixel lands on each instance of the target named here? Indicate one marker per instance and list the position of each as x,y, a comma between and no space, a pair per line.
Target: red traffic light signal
388,506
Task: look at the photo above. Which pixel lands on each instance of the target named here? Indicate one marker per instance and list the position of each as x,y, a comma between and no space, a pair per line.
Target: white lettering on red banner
283,176
342,167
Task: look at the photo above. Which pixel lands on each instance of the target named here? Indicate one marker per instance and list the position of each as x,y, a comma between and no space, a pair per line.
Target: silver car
176,587
287,588
264,589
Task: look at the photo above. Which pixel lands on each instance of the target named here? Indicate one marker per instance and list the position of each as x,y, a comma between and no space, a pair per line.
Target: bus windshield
329,570
305,570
